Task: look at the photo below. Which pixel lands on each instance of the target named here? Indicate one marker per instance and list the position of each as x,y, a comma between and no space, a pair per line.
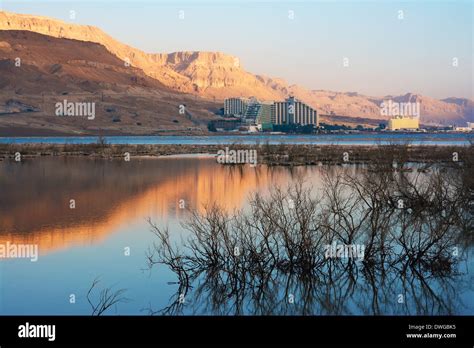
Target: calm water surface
325,139
113,200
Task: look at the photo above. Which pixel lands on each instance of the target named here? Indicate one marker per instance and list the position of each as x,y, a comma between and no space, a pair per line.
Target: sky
375,48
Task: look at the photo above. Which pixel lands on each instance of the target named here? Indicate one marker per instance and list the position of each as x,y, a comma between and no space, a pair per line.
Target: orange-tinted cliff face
54,69
218,75
193,72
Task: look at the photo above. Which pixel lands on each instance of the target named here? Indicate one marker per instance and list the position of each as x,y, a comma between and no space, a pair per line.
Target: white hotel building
290,111
293,111
234,106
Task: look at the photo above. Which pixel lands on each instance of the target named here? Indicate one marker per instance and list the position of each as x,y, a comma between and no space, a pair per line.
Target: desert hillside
215,76
52,70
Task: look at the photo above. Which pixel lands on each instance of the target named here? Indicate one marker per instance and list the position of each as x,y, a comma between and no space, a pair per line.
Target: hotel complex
266,114
250,113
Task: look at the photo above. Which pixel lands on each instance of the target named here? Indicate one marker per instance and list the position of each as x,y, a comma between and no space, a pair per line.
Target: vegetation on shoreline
279,154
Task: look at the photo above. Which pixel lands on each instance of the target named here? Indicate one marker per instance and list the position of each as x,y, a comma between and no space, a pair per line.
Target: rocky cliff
217,75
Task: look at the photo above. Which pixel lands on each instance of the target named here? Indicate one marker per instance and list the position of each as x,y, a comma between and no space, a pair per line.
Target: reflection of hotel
404,122
290,111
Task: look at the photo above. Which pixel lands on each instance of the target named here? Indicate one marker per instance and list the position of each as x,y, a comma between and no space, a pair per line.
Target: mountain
53,70
446,111
206,73
215,76
433,111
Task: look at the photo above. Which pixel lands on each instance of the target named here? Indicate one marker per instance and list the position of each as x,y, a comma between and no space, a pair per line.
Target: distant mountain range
84,58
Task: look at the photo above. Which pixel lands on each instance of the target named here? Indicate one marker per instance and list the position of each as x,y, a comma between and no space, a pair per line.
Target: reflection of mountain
36,194
205,74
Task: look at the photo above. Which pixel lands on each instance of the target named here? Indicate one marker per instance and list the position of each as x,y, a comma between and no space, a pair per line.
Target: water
346,139
113,200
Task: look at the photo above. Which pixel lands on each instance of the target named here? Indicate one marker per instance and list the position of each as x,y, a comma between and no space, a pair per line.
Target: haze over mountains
85,59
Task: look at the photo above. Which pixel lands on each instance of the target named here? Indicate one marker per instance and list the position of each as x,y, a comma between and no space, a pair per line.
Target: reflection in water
107,194
281,267
415,231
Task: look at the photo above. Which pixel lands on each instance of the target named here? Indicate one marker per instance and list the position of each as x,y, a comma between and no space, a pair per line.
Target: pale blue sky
386,55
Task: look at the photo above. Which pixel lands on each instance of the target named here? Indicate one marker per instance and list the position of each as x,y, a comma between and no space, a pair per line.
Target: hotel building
235,107
403,122
290,111
293,111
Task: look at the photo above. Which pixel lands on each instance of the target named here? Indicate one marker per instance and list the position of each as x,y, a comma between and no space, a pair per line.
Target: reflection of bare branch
107,298
270,258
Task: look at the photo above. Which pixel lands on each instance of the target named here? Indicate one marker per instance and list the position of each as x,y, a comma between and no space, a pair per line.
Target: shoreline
269,154
244,134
